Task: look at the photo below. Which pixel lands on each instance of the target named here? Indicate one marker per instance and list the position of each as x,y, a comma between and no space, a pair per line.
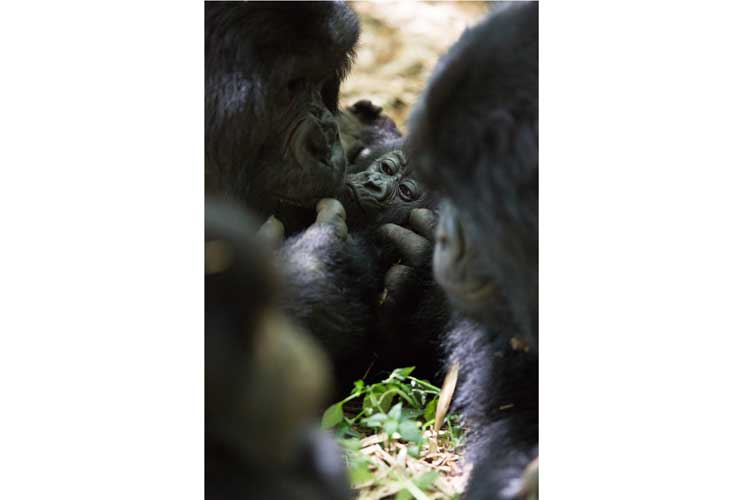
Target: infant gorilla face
384,192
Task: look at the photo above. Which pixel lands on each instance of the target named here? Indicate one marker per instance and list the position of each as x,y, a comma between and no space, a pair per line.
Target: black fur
272,77
266,382
336,289
364,129
475,140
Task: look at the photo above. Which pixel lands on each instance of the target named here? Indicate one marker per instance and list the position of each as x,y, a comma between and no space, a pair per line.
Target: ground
399,45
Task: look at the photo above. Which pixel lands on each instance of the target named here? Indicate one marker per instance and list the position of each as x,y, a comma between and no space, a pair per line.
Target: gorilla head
475,138
272,76
383,191
364,126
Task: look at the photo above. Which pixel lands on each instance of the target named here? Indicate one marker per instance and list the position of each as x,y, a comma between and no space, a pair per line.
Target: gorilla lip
356,199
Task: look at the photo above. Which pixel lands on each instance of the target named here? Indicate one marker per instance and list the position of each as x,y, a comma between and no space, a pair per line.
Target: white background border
644,250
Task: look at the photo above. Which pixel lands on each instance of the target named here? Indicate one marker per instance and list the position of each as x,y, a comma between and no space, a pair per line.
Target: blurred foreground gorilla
272,77
475,140
266,381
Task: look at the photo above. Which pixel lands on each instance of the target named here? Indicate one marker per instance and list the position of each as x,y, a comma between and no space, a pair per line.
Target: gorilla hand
272,232
332,212
413,247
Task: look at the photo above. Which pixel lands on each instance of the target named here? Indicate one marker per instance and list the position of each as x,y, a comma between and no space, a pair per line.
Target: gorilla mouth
353,194
310,177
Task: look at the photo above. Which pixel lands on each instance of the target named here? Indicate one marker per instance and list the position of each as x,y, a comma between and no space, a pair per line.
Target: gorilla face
383,192
474,139
310,162
457,266
272,77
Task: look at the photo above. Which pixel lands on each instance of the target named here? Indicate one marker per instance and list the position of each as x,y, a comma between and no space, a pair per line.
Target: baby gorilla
384,191
363,127
366,311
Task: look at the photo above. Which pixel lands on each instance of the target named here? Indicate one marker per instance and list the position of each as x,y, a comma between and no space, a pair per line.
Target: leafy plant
394,413
418,398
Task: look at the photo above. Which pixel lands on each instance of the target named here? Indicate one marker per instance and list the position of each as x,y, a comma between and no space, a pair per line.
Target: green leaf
332,416
425,480
395,412
413,450
429,411
411,413
409,430
359,472
359,386
385,403
390,426
350,444
401,373
376,420
404,495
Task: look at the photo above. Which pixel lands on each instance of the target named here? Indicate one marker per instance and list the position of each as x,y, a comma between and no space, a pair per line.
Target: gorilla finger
272,232
398,282
399,277
331,211
423,221
415,249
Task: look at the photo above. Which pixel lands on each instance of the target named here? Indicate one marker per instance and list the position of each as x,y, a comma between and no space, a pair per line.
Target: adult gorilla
272,76
475,140
266,380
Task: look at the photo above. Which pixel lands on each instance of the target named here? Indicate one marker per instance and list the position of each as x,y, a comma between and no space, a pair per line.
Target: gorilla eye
406,193
388,168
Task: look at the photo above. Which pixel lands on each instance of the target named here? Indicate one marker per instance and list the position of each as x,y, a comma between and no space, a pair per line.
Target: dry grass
398,48
395,470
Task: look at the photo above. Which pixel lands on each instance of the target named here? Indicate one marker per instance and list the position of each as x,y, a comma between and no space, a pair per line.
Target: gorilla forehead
475,140
254,32
483,92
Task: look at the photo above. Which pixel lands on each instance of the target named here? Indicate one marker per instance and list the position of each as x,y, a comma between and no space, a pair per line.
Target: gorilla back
272,76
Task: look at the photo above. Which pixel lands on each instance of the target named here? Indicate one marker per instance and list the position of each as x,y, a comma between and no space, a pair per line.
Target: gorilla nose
316,141
377,185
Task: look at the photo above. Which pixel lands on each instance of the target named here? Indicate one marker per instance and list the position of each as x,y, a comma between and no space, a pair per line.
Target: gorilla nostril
377,186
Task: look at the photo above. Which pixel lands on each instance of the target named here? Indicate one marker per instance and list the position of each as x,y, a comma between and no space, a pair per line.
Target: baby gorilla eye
388,168
406,193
